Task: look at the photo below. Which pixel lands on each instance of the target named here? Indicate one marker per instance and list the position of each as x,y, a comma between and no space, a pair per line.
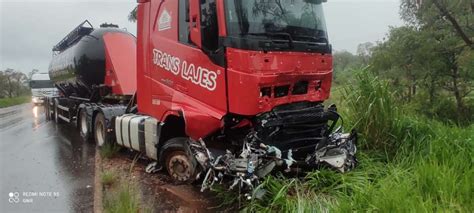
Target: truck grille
297,126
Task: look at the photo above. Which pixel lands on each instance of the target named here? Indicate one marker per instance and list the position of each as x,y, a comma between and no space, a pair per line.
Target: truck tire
101,135
83,125
178,163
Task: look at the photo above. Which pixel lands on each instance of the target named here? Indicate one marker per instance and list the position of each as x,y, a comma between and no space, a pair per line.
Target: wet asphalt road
43,167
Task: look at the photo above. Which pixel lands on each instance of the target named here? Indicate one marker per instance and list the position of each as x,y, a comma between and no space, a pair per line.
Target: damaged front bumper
288,139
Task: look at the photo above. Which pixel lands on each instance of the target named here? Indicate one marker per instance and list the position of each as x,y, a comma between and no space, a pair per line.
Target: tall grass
407,163
122,192
433,175
373,112
124,199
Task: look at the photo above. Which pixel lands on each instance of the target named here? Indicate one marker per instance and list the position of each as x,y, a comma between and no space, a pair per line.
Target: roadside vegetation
121,191
109,150
14,88
7,102
429,62
109,178
122,198
407,163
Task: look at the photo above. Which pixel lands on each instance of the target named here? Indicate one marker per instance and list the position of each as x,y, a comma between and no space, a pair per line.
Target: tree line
429,62
13,83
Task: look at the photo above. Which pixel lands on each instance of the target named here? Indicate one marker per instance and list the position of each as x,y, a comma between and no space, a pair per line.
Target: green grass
407,163
109,178
124,199
122,193
373,112
434,174
109,150
6,102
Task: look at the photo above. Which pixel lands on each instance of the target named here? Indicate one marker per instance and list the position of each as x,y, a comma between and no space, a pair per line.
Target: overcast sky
30,28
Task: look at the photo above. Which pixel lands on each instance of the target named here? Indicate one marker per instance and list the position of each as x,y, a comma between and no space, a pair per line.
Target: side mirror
195,23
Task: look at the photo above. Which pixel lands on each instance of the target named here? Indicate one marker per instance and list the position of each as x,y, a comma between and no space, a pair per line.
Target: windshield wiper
314,39
313,42
276,37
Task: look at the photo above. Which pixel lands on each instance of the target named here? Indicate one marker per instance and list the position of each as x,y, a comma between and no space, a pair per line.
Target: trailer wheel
101,135
83,125
177,161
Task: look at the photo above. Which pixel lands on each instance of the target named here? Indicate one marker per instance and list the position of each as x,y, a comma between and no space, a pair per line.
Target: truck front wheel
101,135
178,163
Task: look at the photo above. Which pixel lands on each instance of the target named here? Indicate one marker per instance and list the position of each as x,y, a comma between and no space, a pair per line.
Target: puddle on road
11,118
47,157
75,157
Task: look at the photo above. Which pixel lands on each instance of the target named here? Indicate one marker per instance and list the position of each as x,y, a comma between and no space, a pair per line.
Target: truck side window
209,27
184,22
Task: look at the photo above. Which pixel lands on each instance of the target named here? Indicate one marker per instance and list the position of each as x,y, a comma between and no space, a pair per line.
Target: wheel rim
179,166
84,129
100,133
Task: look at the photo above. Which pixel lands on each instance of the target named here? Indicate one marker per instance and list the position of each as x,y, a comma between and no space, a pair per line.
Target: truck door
184,34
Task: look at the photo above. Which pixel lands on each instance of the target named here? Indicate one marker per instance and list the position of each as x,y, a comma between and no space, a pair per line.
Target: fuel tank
79,60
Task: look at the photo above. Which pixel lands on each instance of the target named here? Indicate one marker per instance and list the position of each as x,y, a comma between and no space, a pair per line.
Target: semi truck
41,87
208,90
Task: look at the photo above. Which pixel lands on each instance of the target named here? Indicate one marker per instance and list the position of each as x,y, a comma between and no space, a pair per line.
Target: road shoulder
154,192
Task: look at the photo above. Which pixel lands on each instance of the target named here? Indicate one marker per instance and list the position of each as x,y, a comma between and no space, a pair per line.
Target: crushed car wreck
291,138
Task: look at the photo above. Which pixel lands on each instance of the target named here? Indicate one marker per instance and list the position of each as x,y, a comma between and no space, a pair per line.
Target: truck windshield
41,84
298,20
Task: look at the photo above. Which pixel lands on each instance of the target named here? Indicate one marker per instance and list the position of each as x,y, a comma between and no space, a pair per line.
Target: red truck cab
231,83
202,60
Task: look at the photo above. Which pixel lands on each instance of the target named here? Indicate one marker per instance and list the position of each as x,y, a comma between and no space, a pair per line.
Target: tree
3,84
399,60
13,83
343,63
34,71
364,51
10,82
450,25
458,14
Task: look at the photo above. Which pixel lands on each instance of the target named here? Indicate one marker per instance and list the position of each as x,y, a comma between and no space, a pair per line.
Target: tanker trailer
91,67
